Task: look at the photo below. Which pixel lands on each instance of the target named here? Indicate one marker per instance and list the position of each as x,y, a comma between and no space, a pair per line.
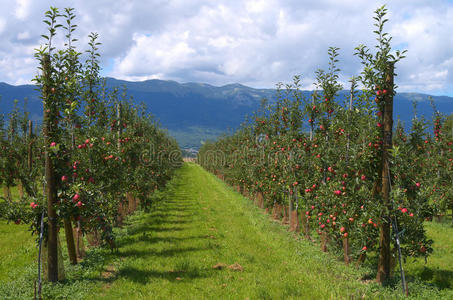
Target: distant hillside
194,112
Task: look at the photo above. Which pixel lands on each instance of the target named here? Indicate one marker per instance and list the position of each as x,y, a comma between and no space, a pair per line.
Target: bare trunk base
285,215
70,241
260,200
361,258
324,241
93,238
275,212
20,189
346,251
294,225
45,266
79,244
131,203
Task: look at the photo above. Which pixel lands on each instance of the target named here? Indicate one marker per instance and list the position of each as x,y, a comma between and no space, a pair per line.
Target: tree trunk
45,262
285,214
361,258
51,192
20,189
260,200
305,226
93,238
294,222
119,216
137,202
383,271
70,241
7,193
30,146
324,241
346,251
131,202
80,246
290,209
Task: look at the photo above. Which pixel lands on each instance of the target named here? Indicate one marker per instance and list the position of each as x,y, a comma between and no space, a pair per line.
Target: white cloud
22,9
25,35
254,42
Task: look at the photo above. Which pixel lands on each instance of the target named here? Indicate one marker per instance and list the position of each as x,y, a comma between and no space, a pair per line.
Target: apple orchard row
92,147
317,161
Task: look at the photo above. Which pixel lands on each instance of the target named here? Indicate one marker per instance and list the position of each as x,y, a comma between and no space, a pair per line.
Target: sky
253,42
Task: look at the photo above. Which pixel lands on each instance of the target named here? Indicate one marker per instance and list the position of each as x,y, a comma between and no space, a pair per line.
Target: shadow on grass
422,276
442,279
163,215
146,238
163,253
145,276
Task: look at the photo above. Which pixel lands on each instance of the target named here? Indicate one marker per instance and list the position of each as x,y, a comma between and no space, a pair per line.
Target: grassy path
170,253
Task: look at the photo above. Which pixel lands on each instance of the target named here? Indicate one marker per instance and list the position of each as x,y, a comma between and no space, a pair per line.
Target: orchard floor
198,224
170,253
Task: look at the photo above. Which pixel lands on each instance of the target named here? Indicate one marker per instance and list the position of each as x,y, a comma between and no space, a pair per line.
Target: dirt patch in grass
108,275
219,266
236,267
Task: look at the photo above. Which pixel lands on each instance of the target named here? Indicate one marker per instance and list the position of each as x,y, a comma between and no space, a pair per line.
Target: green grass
17,250
438,270
169,252
14,190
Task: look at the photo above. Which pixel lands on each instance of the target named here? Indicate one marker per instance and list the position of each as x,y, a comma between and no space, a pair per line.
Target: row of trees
93,146
337,165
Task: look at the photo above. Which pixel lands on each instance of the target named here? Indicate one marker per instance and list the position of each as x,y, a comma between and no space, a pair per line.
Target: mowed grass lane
170,252
17,250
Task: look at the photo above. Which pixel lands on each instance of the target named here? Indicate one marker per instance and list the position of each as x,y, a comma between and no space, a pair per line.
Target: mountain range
194,112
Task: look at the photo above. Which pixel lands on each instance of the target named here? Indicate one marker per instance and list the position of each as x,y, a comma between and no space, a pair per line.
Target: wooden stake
51,192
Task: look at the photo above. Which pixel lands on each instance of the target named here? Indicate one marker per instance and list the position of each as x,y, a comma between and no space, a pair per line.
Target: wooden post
51,192
30,145
383,272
